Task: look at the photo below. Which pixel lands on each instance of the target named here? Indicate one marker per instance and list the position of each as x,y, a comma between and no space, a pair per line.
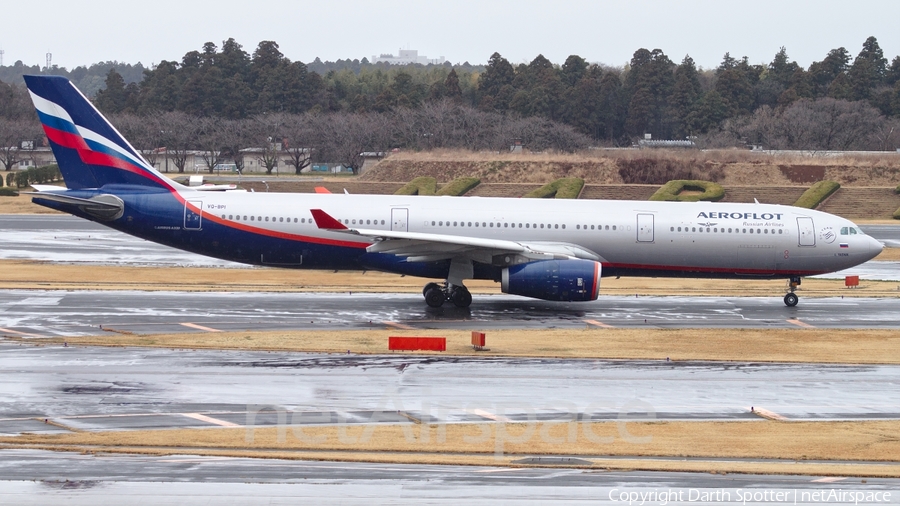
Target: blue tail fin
90,152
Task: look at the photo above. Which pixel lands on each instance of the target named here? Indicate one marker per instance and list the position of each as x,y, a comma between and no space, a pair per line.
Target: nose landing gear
436,295
791,299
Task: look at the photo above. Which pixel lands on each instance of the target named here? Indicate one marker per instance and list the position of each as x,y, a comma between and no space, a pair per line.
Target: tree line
840,102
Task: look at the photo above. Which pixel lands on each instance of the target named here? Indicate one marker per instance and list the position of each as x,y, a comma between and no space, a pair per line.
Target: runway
33,477
36,313
101,389
92,389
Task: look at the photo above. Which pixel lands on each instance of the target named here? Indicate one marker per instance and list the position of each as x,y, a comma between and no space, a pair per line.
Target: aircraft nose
875,246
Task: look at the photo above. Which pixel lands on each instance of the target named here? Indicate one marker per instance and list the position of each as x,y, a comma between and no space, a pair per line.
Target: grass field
839,448
864,346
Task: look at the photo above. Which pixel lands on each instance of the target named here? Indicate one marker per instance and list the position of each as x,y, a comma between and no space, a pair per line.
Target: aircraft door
645,227
400,219
193,214
807,231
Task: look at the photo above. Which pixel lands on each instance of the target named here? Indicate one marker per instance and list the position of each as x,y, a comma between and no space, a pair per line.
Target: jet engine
559,280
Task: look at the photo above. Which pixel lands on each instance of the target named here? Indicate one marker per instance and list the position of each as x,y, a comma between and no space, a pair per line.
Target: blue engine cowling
561,280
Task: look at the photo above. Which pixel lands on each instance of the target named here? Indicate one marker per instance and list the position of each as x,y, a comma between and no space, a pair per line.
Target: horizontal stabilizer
103,207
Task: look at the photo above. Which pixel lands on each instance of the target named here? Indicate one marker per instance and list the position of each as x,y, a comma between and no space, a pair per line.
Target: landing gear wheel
461,297
791,299
429,286
434,296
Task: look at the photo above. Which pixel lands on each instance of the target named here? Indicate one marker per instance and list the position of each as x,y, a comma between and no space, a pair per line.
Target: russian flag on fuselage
90,152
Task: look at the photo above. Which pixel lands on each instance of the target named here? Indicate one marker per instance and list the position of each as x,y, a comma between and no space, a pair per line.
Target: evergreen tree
573,70
868,71
495,84
685,93
822,73
648,86
113,99
734,85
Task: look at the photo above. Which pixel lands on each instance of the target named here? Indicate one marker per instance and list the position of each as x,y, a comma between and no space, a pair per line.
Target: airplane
548,249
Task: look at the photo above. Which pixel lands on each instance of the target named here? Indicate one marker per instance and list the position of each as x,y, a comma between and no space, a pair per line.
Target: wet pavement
97,389
31,477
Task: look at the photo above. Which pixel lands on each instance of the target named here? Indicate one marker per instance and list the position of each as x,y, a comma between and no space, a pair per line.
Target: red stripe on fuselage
273,233
701,270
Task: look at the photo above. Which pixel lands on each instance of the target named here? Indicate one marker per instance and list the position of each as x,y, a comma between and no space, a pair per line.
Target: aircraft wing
420,247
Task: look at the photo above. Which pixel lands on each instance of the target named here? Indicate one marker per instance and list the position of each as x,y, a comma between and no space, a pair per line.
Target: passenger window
556,226
251,218
592,227
542,225
527,225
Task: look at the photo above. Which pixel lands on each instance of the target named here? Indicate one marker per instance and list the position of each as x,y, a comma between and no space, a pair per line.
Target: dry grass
502,443
23,205
867,346
741,167
24,274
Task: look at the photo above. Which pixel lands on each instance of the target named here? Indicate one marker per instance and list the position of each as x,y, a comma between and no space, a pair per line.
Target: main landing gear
791,299
436,295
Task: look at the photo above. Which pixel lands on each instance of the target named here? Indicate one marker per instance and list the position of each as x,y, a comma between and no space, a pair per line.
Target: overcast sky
81,33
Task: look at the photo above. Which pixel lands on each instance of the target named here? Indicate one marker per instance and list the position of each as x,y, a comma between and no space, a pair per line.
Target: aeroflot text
741,216
664,497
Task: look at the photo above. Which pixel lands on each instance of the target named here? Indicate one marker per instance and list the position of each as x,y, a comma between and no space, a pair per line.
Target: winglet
325,221
322,189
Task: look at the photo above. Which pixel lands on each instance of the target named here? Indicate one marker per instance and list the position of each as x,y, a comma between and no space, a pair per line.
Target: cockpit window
851,231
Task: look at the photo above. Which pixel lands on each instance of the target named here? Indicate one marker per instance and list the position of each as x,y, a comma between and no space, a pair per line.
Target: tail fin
90,152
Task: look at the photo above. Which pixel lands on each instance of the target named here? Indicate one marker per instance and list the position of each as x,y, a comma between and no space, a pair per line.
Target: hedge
8,192
897,214
34,175
564,188
671,191
897,189
817,193
424,185
459,186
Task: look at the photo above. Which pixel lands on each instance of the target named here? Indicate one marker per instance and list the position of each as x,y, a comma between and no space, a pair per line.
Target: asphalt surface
96,389
36,313
32,477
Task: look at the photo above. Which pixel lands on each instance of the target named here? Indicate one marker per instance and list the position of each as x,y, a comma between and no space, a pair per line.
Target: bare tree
297,141
12,133
179,132
268,131
822,124
145,133
211,138
345,137
236,135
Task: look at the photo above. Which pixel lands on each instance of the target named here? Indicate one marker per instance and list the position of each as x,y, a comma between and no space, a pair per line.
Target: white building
406,57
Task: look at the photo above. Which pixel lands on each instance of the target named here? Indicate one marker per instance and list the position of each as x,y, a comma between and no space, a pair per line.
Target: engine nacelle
561,280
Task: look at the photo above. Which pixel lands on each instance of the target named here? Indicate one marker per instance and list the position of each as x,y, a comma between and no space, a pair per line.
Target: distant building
406,57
